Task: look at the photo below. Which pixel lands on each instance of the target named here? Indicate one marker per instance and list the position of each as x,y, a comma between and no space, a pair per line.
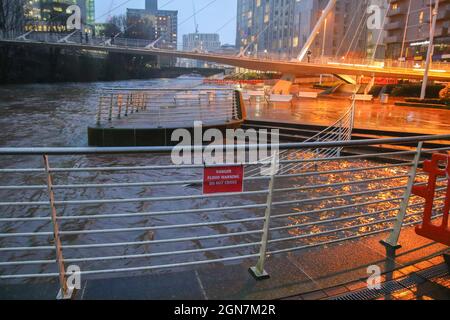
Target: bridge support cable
380,35
348,31
358,32
24,36
66,38
405,31
430,50
243,51
289,163
315,31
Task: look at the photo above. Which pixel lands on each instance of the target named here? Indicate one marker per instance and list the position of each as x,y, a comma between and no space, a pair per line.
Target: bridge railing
438,66
168,107
128,211
77,37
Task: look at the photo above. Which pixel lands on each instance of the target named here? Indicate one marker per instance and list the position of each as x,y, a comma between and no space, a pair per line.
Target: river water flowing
57,115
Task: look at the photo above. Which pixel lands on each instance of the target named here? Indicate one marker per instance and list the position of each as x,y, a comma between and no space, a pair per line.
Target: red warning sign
226,179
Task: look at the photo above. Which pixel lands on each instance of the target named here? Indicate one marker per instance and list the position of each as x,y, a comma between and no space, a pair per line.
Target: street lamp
323,44
430,51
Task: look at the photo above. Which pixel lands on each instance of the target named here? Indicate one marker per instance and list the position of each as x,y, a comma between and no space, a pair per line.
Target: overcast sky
210,19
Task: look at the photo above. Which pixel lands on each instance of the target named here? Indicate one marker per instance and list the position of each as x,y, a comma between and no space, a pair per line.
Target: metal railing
130,210
340,131
161,107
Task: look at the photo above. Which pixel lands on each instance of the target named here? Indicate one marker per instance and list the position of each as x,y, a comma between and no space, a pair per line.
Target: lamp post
430,51
323,44
316,29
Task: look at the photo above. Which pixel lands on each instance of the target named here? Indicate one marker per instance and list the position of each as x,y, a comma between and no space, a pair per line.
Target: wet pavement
321,273
373,116
313,274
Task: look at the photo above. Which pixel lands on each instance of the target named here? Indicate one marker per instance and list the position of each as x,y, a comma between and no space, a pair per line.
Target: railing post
131,103
200,109
111,107
145,101
99,114
392,241
258,271
340,138
119,106
127,106
65,292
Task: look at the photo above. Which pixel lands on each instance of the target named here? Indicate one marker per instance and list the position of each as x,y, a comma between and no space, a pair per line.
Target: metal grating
393,286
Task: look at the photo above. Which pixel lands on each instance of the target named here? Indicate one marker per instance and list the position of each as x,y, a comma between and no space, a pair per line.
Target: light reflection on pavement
375,116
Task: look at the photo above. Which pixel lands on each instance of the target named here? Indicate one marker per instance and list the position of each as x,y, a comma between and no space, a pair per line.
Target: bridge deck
284,67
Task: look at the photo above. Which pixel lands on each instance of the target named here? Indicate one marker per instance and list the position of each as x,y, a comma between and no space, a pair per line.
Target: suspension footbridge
294,67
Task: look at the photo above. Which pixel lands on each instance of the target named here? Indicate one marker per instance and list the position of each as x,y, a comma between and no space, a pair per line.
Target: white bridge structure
295,67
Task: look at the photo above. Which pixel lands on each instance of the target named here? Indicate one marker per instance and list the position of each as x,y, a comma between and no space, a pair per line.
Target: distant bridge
293,67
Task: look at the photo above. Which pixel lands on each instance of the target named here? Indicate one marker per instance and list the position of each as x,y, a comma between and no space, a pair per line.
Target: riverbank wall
22,65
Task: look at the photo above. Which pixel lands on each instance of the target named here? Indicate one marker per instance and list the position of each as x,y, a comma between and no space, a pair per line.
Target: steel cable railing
341,130
127,210
167,107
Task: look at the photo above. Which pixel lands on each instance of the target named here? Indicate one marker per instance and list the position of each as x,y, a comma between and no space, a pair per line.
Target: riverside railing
168,107
130,210
340,131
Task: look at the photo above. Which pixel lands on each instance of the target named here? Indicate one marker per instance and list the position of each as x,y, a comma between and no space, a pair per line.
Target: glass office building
281,27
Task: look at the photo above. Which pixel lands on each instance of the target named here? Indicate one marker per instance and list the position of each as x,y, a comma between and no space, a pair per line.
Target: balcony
444,13
396,25
441,32
397,12
394,39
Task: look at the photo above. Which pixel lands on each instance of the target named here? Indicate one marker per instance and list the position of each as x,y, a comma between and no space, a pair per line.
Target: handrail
157,89
282,146
164,107
115,217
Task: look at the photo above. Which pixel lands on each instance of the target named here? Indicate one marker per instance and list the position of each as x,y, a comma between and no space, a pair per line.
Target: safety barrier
230,82
163,107
437,167
340,131
130,210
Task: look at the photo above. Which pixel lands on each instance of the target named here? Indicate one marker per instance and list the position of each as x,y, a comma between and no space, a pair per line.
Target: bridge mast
316,29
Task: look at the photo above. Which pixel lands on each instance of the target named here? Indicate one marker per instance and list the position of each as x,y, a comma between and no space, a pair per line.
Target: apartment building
281,27
408,30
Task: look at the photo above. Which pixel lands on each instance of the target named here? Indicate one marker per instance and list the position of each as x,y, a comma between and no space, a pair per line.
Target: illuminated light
422,43
437,71
356,65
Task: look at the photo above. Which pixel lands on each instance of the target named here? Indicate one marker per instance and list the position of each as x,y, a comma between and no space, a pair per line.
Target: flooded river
57,115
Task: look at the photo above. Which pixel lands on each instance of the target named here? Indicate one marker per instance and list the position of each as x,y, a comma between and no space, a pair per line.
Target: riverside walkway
368,115
331,272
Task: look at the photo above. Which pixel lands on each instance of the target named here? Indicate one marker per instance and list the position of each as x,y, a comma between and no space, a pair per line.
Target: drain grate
434,272
390,287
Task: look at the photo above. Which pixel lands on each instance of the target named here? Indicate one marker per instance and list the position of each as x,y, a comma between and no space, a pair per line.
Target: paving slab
236,282
304,275
169,286
35,291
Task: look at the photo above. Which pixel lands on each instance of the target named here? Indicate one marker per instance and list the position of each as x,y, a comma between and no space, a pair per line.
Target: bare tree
12,16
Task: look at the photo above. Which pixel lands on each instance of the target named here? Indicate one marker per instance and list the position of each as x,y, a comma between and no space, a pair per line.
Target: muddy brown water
57,115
